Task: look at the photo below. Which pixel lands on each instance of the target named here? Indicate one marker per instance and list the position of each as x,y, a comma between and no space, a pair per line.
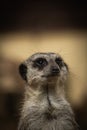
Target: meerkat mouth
51,75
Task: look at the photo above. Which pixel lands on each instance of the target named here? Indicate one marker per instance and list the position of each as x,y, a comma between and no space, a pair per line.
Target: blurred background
31,26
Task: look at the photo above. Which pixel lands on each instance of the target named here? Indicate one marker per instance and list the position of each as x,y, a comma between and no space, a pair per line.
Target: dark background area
38,16
42,15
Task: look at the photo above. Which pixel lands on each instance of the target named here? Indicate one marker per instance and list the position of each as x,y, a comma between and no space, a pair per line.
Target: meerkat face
43,68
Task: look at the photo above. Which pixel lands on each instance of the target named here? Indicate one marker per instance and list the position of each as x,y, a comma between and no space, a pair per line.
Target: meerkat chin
45,106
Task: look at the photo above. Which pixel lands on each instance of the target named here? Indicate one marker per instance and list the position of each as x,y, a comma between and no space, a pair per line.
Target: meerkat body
45,106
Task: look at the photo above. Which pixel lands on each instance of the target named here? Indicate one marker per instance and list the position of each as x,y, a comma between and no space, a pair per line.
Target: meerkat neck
54,91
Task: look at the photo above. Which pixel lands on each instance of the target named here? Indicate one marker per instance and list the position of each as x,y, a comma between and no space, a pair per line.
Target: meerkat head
43,68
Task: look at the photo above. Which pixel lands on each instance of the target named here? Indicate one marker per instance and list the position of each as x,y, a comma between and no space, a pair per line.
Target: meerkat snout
55,70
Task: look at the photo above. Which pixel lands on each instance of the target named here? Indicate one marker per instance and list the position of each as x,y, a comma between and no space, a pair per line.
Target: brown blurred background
31,26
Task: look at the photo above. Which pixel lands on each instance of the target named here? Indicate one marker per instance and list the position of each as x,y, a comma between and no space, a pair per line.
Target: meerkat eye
40,62
59,61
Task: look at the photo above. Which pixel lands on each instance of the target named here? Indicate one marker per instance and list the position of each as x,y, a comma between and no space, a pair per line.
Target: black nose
55,70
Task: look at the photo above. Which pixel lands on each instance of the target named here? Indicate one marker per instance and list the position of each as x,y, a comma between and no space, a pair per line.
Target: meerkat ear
23,71
66,66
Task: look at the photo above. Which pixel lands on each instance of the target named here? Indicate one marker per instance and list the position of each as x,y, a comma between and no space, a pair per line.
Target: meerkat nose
55,70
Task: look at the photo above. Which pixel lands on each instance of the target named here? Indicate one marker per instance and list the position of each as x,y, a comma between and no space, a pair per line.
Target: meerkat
45,105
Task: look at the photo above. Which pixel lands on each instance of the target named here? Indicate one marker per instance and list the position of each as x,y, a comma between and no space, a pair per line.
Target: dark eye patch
40,63
59,61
